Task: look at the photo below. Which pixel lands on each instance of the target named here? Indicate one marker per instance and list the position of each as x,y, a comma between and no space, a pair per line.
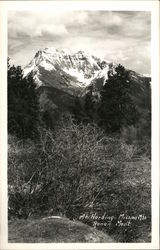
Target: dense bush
77,169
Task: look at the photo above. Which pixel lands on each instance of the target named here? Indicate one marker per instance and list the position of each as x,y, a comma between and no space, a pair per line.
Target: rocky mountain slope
60,69
61,77
54,68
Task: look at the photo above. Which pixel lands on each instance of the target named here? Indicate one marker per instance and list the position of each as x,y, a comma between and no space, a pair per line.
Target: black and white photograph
79,134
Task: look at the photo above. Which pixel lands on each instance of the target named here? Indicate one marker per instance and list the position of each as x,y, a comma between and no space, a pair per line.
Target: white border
152,6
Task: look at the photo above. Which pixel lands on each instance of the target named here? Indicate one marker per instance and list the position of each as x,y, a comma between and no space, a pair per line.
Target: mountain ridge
77,70
62,77
81,67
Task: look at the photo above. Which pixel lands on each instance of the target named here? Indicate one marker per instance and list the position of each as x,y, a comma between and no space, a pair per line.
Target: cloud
133,56
120,36
33,27
37,23
80,18
51,29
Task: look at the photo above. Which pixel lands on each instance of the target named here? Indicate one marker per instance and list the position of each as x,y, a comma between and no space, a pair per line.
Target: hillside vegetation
78,168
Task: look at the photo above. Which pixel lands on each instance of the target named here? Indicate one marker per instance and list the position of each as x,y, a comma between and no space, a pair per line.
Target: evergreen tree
117,109
23,108
78,110
89,104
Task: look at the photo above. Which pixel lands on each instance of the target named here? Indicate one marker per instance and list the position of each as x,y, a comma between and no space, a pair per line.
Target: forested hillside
83,154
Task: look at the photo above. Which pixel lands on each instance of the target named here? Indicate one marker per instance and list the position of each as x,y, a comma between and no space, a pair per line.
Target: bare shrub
77,169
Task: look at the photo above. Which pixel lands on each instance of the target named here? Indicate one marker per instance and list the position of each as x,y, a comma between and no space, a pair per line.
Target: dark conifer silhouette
117,109
23,105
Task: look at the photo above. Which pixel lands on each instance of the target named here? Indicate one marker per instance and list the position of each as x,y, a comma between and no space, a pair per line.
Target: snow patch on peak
103,74
81,52
28,70
38,82
50,50
47,66
66,51
79,75
82,66
53,51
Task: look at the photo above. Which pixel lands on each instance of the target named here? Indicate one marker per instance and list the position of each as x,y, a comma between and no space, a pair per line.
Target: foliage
77,169
89,104
117,109
22,104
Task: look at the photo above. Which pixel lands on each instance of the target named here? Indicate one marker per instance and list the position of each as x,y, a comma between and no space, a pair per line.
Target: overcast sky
122,37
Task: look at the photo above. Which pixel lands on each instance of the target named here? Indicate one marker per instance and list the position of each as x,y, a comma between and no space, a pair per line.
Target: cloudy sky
122,37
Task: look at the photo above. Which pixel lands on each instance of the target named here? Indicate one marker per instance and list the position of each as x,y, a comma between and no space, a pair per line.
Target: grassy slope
53,230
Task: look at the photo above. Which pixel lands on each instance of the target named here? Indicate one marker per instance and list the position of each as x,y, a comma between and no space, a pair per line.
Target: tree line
113,111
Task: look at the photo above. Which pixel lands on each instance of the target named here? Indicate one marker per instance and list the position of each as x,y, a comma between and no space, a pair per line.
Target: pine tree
89,104
23,108
117,109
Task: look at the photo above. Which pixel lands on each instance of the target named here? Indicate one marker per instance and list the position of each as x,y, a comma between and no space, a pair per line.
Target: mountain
71,72
62,70
61,77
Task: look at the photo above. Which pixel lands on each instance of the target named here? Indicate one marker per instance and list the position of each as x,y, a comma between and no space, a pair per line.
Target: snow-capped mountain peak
51,66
